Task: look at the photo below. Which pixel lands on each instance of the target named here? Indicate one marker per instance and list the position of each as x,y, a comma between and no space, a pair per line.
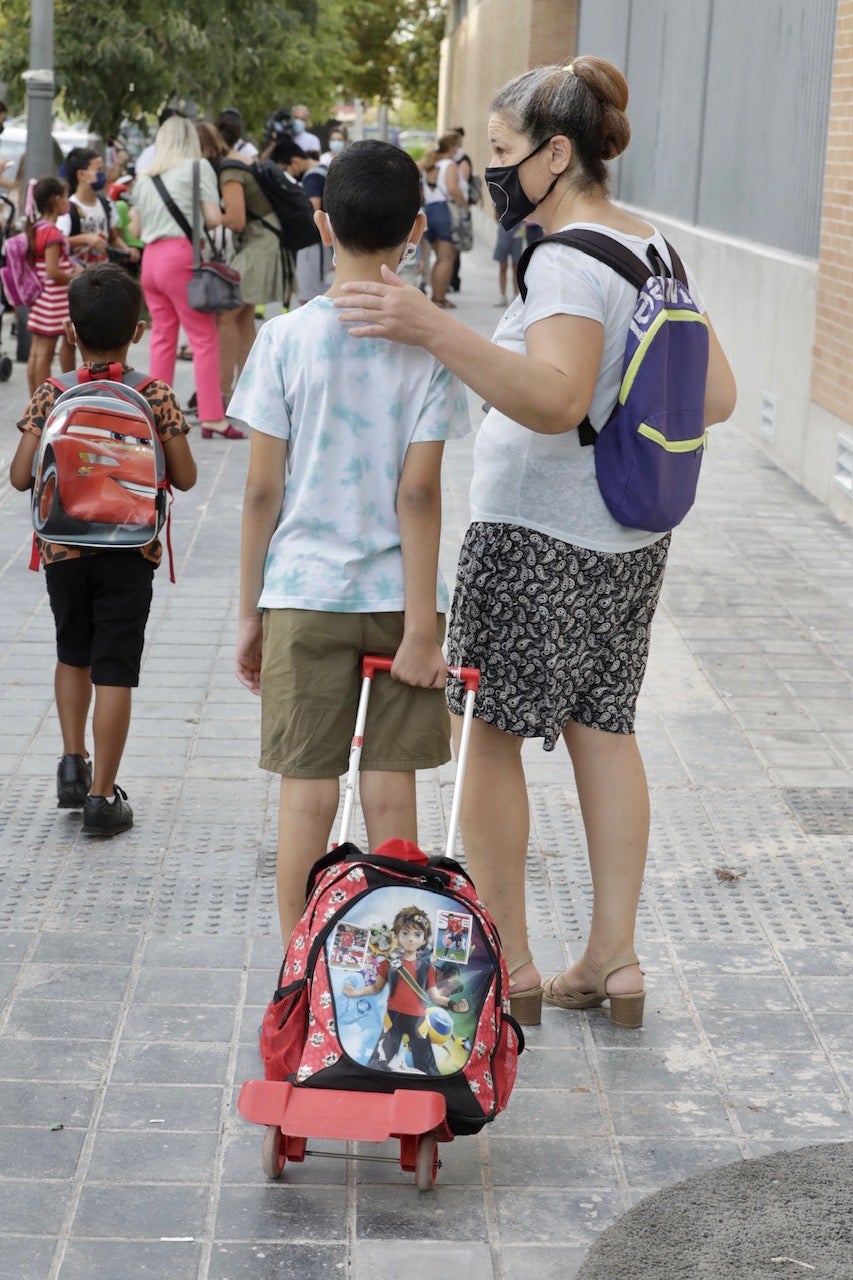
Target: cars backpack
99,476
394,979
649,451
21,283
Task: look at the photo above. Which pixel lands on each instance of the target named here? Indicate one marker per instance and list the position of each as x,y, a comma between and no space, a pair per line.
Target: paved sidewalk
133,973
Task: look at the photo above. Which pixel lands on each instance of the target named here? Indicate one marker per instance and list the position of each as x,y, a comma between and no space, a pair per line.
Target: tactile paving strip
822,811
102,902
188,904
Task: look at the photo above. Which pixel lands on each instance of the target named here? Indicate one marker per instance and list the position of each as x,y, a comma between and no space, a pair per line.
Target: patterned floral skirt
559,632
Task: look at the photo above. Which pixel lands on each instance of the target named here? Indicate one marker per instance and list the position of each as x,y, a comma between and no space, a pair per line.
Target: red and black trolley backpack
353,1012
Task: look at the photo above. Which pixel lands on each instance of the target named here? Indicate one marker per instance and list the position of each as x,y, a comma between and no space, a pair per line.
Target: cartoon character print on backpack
100,472
388,985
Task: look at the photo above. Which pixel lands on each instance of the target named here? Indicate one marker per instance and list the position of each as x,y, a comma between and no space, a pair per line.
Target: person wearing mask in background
299,122
91,223
313,262
337,142
230,125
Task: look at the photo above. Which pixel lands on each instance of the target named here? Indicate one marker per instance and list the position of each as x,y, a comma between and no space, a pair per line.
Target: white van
13,142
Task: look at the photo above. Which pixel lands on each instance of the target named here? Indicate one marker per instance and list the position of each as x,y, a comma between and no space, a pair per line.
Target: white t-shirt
93,218
547,482
432,193
349,409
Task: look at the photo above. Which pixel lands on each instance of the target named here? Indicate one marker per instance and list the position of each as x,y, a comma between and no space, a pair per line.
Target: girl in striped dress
47,199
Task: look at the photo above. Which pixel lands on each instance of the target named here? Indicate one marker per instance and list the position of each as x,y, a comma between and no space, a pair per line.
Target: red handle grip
370,664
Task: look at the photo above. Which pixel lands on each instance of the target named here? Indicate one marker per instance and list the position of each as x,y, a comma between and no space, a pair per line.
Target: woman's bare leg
614,801
495,823
442,269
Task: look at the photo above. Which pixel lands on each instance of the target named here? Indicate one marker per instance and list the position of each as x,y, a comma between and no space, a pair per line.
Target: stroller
7,221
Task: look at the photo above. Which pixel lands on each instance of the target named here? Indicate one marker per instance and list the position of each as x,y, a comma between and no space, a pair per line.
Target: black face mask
508,196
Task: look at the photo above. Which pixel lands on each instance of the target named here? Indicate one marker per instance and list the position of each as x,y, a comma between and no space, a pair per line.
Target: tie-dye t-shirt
349,408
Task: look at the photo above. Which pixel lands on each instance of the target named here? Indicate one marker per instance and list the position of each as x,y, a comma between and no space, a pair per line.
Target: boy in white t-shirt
341,525
91,223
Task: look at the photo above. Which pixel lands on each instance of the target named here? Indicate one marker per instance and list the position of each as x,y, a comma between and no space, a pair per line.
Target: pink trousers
166,269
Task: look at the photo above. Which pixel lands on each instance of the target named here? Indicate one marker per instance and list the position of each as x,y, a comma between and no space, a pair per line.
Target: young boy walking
100,598
341,525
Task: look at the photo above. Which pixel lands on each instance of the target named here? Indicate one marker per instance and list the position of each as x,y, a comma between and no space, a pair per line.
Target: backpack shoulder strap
597,245
677,265
74,215
64,381
139,381
105,205
238,164
176,213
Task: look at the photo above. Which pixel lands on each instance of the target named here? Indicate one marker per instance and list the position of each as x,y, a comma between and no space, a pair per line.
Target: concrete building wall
494,41
829,433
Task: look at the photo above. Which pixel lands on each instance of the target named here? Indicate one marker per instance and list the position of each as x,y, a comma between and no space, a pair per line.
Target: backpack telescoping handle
369,666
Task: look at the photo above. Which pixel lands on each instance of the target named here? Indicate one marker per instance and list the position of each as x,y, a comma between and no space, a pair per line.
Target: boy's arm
419,659
31,426
180,464
174,435
262,501
21,467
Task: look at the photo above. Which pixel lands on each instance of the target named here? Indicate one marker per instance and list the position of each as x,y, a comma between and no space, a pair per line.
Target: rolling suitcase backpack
392,1005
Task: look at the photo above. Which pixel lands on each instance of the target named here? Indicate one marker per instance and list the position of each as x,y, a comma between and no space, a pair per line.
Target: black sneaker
73,780
100,818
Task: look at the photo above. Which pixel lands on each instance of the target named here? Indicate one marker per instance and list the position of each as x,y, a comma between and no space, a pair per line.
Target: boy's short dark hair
372,196
78,158
104,303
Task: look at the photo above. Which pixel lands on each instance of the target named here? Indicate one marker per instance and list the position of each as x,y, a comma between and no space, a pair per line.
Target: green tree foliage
419,36
112,62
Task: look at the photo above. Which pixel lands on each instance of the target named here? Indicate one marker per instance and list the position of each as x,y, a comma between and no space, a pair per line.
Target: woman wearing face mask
337,142
554,599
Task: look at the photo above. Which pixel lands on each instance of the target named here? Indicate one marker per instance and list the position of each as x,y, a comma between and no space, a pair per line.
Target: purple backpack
20,280
649,451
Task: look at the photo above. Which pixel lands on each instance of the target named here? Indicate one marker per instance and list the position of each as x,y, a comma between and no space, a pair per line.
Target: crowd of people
139,214
109,207
554,597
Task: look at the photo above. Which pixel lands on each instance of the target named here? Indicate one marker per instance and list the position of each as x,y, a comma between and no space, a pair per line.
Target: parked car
13,142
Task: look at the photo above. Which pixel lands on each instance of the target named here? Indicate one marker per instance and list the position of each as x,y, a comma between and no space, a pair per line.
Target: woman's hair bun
610,87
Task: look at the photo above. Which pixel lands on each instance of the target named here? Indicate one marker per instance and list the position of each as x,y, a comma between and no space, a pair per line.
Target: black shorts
100,605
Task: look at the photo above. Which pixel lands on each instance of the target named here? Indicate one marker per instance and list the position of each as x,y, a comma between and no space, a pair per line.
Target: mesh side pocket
505,1061
283,1034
